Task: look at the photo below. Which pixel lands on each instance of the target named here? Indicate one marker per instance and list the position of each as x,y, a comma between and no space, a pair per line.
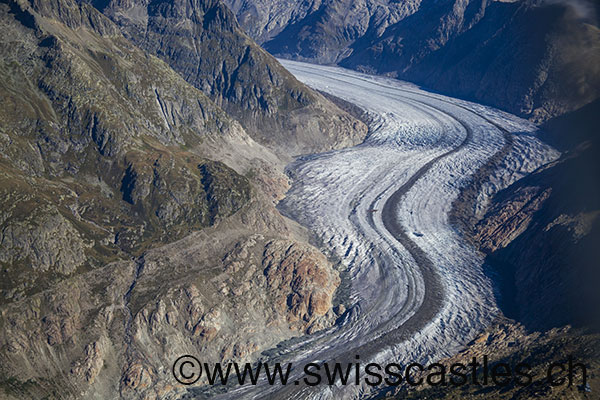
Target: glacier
419,290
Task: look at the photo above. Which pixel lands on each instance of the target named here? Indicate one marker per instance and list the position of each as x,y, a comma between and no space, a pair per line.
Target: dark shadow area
549,275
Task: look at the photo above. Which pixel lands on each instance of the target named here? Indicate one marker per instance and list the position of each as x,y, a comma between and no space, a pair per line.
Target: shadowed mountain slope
534,58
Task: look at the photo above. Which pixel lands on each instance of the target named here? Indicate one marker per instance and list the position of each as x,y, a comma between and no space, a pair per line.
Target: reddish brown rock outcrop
510,218
302,278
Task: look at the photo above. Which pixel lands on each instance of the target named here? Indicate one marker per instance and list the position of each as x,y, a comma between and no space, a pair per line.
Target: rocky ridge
510,344
203,42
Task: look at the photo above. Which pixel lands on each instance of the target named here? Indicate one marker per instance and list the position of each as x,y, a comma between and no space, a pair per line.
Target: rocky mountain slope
511,344
137,217
541,233
534,58
203,42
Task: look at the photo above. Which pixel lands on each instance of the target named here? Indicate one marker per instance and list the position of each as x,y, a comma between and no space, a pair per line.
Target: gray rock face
321,31
204,43
38,240
534,58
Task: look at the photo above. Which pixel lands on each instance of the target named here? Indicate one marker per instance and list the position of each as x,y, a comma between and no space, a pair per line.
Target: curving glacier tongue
419,290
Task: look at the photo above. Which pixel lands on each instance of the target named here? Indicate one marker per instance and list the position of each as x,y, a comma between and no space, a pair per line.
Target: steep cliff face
541,233
322,31
204,43
135,218
534,58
